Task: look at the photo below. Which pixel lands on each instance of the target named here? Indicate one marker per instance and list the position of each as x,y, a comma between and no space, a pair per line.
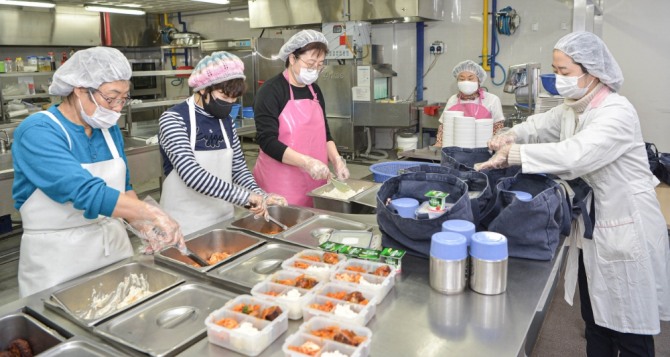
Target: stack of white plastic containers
336,298
462,131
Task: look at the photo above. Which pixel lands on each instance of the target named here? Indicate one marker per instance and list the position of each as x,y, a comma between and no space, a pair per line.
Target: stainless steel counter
413,320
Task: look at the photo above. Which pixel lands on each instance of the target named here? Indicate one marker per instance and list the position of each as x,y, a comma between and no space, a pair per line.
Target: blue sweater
43,159
174,139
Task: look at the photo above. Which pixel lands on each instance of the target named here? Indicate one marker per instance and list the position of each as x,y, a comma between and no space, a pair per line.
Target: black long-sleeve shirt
270,101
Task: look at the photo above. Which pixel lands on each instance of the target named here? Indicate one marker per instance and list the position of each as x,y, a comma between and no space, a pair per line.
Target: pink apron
477,111
302,127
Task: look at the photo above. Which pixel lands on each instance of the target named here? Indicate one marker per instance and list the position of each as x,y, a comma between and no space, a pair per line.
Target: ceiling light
116,10
27,3
220,2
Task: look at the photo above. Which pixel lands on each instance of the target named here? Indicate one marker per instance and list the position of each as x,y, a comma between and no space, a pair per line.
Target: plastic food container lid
523,196
448,246
460,226
405,203
490,246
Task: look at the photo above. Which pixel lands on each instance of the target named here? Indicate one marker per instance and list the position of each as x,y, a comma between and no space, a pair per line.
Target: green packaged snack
330,246
392,257
350,251
369,254
437,199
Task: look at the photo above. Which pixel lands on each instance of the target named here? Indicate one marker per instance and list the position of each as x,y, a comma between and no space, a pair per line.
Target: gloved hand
504,137
257,204
316,169
341,170
498,161
157,230
275,200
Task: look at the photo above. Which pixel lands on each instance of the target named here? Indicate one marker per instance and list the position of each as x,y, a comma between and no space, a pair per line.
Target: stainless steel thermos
448,262
488,255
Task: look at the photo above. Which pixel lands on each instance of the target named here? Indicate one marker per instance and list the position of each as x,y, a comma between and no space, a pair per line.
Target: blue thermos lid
460,226
489,246
523,196
448,246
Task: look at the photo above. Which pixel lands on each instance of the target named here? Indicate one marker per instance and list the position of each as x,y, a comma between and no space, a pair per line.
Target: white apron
191,209
58,243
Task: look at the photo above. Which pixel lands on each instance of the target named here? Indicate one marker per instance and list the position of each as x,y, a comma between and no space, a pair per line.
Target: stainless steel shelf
25,74
28,96
160,103
161,73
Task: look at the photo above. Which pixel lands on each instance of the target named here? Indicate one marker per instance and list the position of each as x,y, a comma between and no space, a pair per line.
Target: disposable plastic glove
157,230
504,137
498,161
257,205
275,200
316,169
341,170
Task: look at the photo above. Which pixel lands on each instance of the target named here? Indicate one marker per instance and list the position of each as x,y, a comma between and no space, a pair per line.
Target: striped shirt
174,139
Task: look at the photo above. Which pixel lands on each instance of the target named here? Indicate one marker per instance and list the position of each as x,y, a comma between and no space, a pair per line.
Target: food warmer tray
307,234
235,243
80,347
288,215
254,267
19,324
367,198
168,324
74,300
341,205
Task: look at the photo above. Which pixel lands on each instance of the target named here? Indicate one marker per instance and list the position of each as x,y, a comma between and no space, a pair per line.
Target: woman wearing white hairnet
70,177
471,98
291,126
624,271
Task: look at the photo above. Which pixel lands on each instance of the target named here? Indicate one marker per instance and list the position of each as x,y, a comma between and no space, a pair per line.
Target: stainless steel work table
413,320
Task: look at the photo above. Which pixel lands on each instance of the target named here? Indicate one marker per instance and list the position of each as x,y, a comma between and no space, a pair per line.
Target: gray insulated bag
411,234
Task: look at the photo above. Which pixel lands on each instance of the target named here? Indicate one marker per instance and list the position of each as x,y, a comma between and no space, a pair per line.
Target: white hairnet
299,40
591,52
90,68
472,67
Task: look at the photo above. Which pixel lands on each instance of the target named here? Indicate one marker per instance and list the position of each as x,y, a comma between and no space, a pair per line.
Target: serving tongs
340,185
270,218
196,258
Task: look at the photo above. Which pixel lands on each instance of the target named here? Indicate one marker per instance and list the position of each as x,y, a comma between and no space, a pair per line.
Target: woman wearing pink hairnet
623,272
291,125
205,170
71,177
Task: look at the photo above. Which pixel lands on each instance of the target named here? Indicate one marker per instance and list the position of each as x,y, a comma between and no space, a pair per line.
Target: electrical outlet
535,26
439,47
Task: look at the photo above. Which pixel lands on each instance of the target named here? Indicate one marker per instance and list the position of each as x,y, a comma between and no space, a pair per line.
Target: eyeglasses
113,102
313,66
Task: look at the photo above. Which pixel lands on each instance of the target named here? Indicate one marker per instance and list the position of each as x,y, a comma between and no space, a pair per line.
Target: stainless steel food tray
303,235
342,205
367,198
19,324
255,266
76,299
288,215
80,347
234,243
168,324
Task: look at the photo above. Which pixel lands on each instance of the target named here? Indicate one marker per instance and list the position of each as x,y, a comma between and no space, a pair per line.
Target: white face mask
468,87
308,76
102,118
569,86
